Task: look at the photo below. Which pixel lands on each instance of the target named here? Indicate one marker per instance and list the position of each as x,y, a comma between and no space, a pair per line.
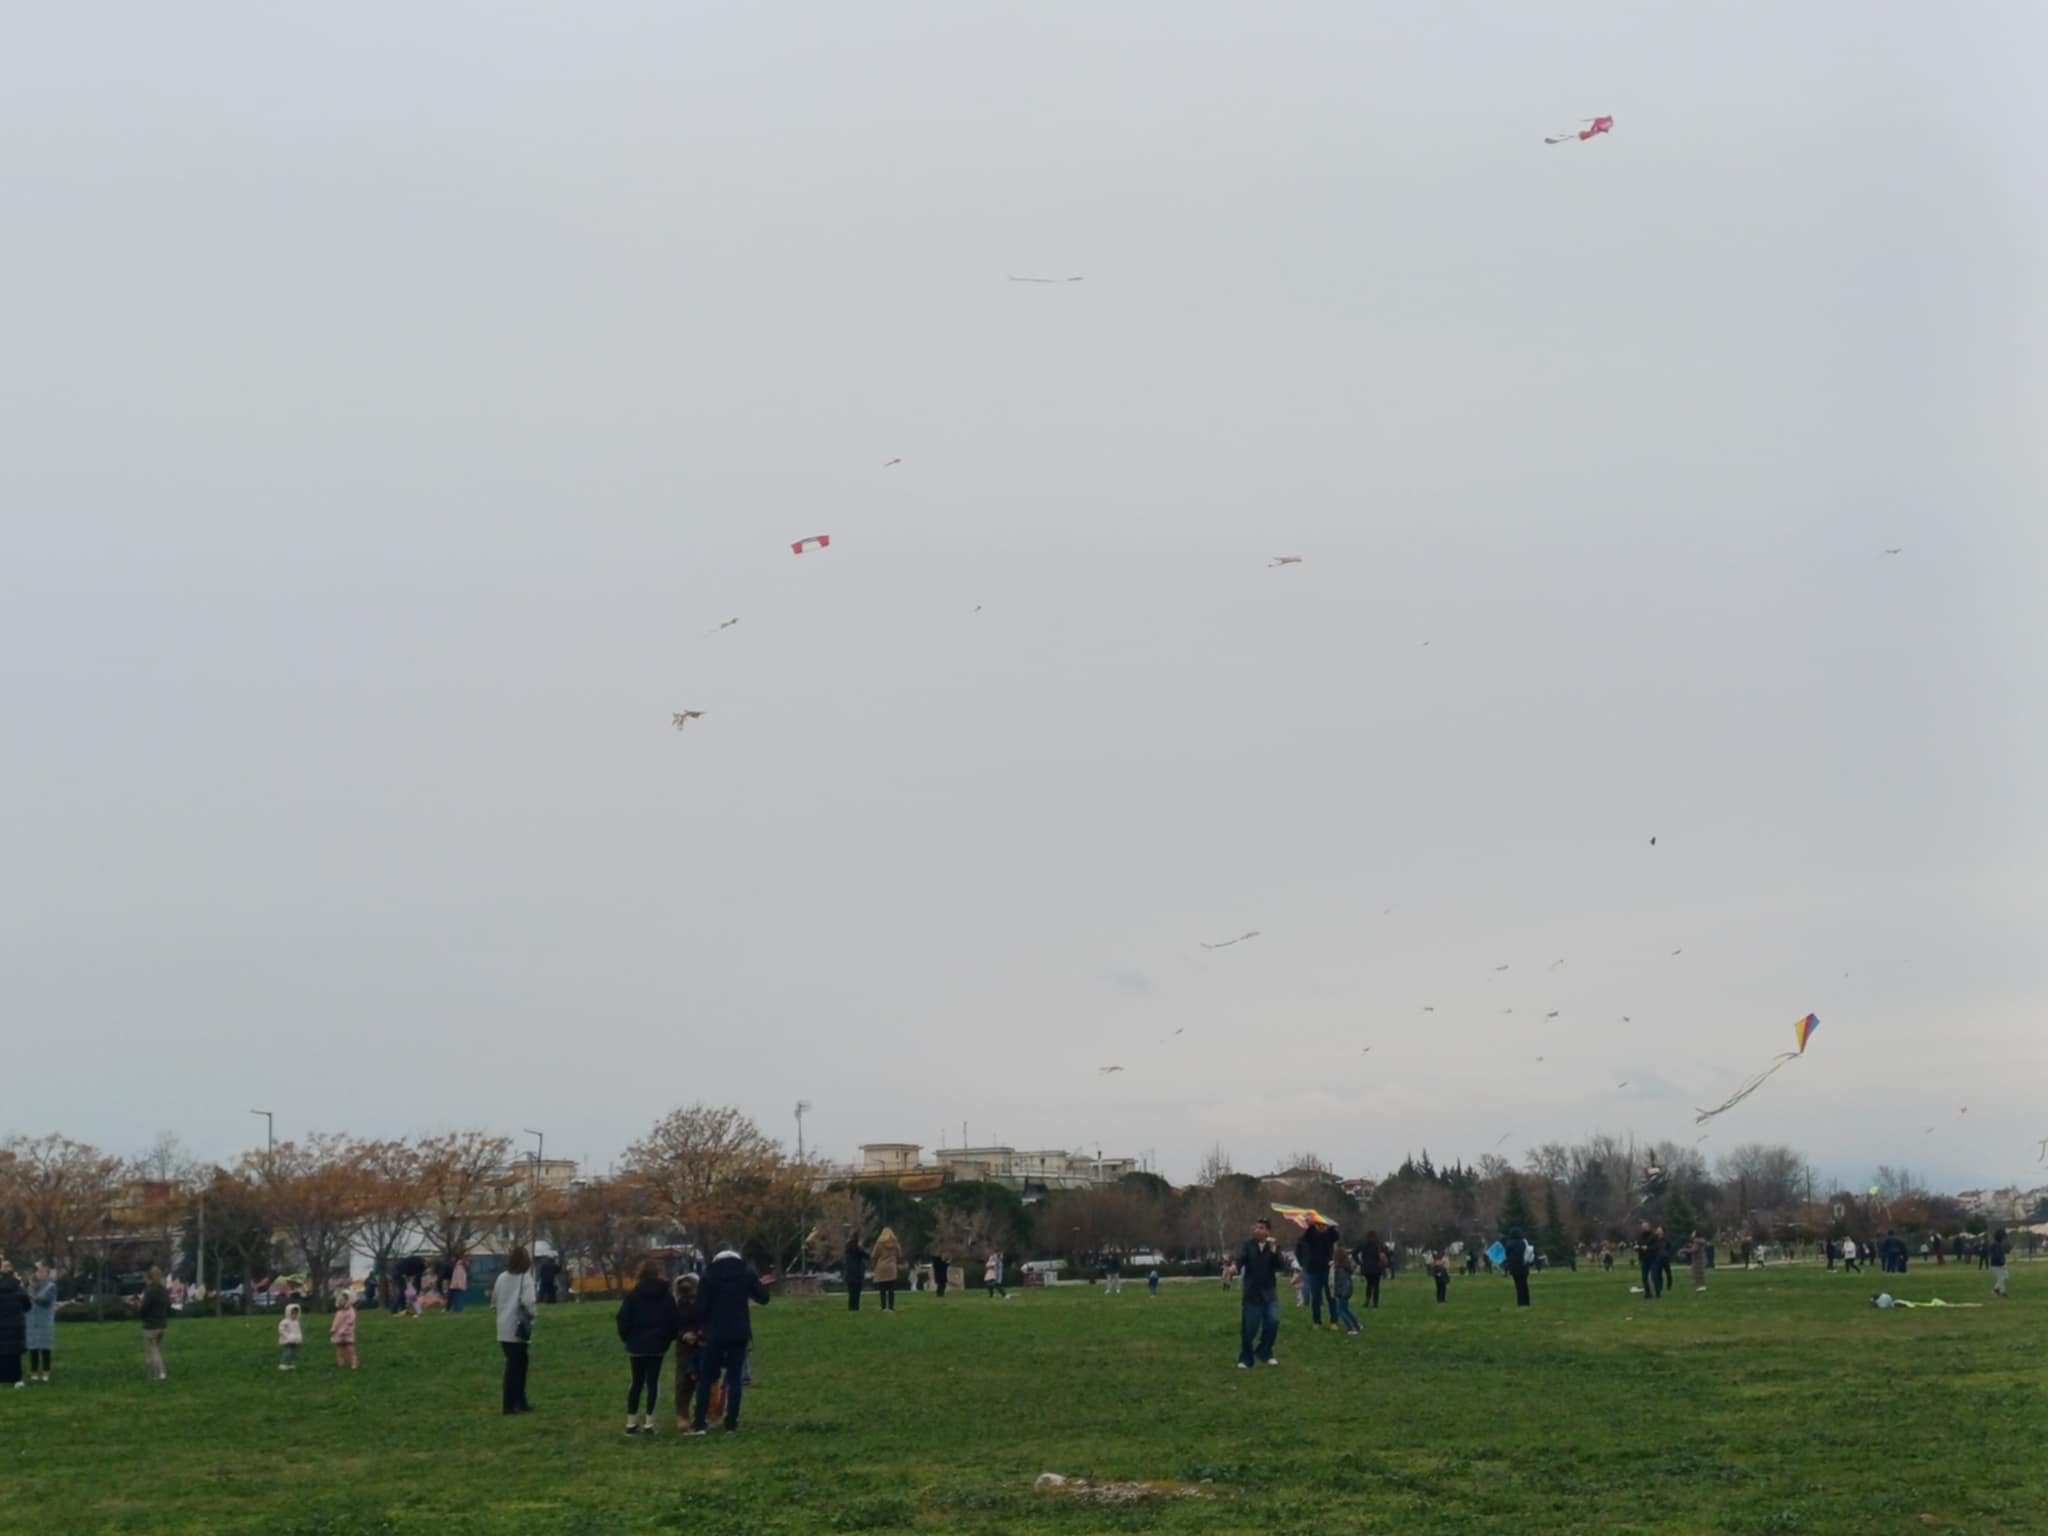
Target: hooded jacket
341,1328
648,1321
730,1287
885,1264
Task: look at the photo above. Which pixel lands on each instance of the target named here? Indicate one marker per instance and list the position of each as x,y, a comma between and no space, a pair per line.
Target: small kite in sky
1552,1014
1595,126
1626,1019
1500,968
822,540
1105,1071
1898,551
2043,1158
1539,1058
1653,842
1676,953
1431,1008
714,629
1238,940
684,717
892,463
1619,1086
1284,560
1504,1135
1801,1033
1046,279
1555,964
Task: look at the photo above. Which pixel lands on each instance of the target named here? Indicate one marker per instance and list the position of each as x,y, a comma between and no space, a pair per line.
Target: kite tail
1746,1089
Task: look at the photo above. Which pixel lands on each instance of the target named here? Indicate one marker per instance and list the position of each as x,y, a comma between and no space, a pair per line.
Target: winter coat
512,1297
730,1289
42,1317
648,1321
886,1262
342,1328
1372,1260
290,1331
155,1311
1341,1284
1317,1247
14,1305
1517,1262
1259,1266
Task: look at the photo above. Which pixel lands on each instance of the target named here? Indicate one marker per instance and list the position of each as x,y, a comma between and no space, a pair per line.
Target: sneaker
695,1430
1242,1366
1272,1360
647,1429
632,1429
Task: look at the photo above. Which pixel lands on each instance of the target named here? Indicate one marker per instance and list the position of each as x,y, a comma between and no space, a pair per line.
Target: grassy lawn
1778,1403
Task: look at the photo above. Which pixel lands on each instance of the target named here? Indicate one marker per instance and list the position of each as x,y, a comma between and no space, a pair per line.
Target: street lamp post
533,1188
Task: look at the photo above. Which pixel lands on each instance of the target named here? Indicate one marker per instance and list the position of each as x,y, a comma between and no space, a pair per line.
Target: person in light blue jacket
42,1323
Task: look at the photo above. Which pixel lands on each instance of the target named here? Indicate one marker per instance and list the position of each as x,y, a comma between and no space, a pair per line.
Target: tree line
707,1175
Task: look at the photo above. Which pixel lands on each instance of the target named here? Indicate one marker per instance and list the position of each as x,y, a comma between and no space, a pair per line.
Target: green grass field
1780,1402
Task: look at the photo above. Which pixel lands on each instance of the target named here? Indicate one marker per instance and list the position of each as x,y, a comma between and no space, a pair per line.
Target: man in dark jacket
1318,1246
730,1290
1646,1261
1893,1248
856,1271
941,1270
1260,1264
1517,1264
648,1323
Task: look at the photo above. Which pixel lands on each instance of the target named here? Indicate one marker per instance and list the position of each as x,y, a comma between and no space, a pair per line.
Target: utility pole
802,1105
270,1139
533,1189
200,1271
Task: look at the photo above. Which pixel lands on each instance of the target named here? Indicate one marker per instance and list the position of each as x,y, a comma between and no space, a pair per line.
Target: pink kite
1594,125
822,540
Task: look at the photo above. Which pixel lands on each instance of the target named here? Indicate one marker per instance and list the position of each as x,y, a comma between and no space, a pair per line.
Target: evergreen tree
1554,1242
1679,1219
1514,1209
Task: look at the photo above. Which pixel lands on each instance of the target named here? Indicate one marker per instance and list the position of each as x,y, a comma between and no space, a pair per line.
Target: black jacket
648,1320
156,1307
14,1305
856,1263
1517,1262
730,1285
1646,1248
1317,1247
1260,1266
1372,1259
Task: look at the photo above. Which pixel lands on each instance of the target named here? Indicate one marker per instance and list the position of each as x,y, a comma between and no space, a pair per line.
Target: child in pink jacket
341,1333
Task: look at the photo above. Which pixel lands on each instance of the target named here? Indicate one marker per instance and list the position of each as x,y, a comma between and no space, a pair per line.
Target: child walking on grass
290,1335
1440,1271
341,1332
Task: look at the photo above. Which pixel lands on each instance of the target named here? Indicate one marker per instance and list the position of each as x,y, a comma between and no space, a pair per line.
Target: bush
84,1309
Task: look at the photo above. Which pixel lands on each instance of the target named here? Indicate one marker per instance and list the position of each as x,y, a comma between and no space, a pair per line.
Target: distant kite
1653,842
1676,953
728,624
1552,1014
1284,560
1105,1071
1504,1135
684,717
1500,968
1046,279
892,463
1555,964
1899,551
1431,1008
2043,1158
1594,127
1619,1086
1238,940
822,540
1801,1033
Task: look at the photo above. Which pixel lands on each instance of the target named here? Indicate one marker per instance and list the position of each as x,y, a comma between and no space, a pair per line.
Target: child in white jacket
290,1335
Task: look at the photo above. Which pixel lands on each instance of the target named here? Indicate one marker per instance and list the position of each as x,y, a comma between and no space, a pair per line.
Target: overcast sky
396,394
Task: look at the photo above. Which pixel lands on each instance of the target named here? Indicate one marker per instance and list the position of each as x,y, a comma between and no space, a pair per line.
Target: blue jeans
456,1299
1318,1292
1259,1328
731,1360
1340,1314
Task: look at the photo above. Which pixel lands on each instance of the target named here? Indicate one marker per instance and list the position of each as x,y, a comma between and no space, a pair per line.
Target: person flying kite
1801,1033
1594,126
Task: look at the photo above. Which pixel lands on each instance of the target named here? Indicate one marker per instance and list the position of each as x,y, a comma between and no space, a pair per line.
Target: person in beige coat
885,1267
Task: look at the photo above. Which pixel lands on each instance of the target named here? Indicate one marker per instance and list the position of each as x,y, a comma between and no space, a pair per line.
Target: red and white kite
822,540
1284,560
1594,126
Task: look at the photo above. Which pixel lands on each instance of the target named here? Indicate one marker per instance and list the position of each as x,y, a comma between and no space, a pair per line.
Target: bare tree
842,1217
606,1223
393,1198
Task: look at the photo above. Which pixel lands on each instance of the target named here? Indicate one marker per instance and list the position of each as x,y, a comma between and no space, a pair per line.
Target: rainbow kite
1303,1216
1801,1032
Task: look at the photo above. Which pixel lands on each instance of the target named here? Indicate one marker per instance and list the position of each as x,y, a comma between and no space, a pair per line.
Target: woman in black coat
856,1272
1372,1265
648,1323
14,1305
